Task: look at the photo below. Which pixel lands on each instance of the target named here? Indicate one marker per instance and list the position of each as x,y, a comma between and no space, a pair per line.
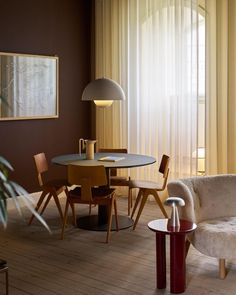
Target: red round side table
177,253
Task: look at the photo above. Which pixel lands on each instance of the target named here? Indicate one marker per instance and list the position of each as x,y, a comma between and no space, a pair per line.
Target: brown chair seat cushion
3,262
99,192
57,183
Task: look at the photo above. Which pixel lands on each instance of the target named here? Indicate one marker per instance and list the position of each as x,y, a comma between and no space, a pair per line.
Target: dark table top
128,161
161,226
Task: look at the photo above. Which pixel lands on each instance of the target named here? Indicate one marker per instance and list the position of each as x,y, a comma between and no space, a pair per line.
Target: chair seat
216,237
91,189
3,263
147,188
50,189
98,193
57,183
119,181
145,184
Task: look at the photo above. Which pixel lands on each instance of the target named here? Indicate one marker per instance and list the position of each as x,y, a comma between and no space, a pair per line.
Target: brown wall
48,27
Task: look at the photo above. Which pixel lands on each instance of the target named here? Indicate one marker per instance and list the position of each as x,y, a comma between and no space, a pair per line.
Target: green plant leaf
3,176
5,163
28,202
11,189
3,210
11,193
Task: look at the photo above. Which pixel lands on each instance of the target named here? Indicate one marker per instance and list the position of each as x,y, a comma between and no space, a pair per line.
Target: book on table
111,159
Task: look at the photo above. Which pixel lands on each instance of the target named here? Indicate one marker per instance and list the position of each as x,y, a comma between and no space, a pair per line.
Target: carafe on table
88,144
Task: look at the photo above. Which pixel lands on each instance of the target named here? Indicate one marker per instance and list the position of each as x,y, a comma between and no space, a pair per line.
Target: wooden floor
42,264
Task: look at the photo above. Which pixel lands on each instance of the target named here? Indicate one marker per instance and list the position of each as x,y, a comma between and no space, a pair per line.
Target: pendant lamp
103,92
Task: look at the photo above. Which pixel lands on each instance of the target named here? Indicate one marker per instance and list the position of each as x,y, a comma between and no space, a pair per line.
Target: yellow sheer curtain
221,86
150,47
110,61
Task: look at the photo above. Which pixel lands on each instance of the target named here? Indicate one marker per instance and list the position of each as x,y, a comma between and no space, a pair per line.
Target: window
159,49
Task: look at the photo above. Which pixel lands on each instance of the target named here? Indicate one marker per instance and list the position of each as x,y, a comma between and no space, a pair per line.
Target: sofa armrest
179,189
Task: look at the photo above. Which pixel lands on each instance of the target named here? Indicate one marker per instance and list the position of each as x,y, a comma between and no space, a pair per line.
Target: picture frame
28,86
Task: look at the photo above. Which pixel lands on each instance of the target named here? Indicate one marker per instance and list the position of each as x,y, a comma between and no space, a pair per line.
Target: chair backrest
123,151
87,177
41,166
164,168
113,171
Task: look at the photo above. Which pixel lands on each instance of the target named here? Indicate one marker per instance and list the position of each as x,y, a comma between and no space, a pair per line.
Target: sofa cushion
216,237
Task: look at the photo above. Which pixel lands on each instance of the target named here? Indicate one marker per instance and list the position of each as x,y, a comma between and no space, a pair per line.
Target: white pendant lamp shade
103,91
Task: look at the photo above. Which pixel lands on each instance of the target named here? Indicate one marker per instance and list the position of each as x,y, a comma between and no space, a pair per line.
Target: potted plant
10,189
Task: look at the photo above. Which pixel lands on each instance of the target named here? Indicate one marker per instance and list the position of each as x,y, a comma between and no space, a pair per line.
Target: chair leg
129,201
116,214
109,220
157,198
4,269
43,195
129,194
137,201
56,199
7,283
222,270
64,220
72,205
46,203
143,201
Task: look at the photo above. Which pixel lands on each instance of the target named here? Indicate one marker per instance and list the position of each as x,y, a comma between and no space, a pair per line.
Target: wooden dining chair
116,180
92,189
4,269
147,188
50,189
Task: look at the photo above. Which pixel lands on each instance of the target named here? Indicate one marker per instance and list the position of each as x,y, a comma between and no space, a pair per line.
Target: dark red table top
161,226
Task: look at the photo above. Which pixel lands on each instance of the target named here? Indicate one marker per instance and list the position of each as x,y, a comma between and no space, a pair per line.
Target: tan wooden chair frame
50,189
147,188
4,269
93,190
118,180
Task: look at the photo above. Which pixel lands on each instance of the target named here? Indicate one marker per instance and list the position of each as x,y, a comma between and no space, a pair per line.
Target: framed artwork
28,86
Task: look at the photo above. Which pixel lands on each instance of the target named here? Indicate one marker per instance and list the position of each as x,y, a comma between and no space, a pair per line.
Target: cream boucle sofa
210,201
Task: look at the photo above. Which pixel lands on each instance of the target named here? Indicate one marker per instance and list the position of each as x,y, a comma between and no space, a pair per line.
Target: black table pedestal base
91,223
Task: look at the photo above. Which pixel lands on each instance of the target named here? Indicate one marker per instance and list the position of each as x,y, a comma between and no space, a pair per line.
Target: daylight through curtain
151,47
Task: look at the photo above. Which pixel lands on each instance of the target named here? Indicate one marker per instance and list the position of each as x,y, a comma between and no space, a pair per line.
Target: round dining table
126,160
115,160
